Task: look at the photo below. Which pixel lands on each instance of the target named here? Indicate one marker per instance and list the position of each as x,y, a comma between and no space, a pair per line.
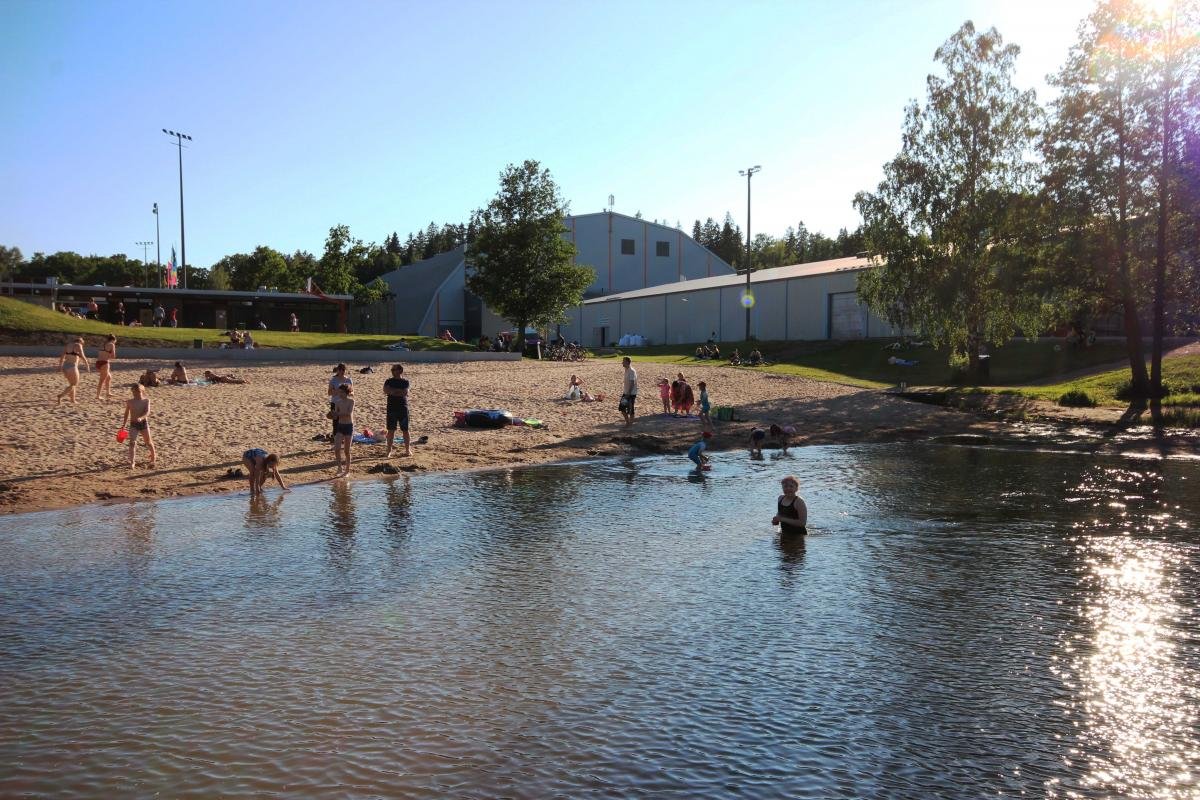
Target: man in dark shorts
629,390
396,389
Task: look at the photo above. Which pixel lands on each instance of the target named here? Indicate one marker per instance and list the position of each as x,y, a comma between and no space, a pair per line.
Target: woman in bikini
68,362
137,413
343,419
108,354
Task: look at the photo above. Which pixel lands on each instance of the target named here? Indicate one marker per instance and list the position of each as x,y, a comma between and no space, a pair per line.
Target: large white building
626,253
801,302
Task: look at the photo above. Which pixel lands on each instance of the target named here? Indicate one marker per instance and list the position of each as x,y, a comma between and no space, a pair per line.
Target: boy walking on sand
136,420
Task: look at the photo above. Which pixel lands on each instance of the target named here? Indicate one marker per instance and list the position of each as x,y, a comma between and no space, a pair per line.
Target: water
961,623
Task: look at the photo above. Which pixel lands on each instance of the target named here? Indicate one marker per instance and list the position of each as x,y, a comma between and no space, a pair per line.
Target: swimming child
705,407
783,434
791,511
757,437
136,420
696,453
259,465
664,393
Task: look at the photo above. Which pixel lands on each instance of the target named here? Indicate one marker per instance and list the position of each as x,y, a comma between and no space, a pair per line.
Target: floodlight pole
157,248
749,173
179,137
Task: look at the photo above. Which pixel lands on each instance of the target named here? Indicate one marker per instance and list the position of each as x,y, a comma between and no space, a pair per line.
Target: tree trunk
519,339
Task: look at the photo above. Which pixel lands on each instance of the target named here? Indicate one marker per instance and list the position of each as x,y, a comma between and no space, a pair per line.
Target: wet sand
57,456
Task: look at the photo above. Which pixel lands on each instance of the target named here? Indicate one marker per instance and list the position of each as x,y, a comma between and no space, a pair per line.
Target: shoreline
63,457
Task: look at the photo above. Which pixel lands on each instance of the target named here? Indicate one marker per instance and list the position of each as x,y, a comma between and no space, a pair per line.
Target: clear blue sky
387,115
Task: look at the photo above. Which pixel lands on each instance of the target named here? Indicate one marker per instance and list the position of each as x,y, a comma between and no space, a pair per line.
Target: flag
172,280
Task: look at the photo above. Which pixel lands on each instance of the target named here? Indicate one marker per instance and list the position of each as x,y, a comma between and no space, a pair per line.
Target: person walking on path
174,317
396,389
160,315
120,313
791,513
293,323
137,420
629,390
68,362
108,354
343,418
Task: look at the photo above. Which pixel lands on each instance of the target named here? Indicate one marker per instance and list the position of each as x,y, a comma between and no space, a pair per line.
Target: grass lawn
18,317
866,364
1181,375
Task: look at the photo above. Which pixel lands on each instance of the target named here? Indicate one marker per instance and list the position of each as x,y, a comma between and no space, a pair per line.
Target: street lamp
179,137
145,258
748,297
157,248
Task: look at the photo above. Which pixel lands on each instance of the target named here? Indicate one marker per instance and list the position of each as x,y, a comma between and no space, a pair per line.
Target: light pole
145,258
748,297
179,137
157,248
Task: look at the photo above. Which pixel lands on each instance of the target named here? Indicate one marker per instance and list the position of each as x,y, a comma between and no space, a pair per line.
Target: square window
627,247
662,249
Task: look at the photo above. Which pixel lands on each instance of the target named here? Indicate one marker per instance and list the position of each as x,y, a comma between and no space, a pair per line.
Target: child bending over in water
260,465
696,454
783,434
791,513
136,420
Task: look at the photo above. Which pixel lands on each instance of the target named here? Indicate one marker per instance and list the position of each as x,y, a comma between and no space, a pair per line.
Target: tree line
999,217
797,246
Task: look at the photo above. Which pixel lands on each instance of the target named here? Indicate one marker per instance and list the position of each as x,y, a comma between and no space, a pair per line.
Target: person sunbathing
178,375
213,377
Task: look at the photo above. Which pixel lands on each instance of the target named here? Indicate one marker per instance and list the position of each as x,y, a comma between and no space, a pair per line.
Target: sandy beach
57,456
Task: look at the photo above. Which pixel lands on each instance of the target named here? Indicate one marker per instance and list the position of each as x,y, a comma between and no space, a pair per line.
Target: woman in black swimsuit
792,513
68,362
107,355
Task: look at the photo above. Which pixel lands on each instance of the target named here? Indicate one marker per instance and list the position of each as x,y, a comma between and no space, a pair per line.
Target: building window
662,249
627,247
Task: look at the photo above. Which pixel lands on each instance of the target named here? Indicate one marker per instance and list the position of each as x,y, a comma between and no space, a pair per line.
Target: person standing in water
791,513
68,362
137,420
696,453
343,418
260,465
108,354
396,389
629,390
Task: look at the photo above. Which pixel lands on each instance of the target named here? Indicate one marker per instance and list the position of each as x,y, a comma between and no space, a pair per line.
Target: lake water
961,623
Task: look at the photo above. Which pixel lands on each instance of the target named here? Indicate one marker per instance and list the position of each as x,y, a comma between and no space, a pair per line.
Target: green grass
866,364
18,317
1182,374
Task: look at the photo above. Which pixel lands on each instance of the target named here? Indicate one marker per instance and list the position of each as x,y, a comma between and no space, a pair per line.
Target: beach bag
723,413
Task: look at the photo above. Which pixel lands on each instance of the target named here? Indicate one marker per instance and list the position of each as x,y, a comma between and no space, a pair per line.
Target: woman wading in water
108,354
68,362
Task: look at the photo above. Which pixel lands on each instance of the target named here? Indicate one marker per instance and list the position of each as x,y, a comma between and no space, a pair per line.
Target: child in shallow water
791,514
696,453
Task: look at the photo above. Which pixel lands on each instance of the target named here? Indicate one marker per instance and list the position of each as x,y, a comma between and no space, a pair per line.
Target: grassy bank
1181,375
866,364
22,322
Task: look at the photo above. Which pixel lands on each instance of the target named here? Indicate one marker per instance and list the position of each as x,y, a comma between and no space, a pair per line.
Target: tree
10,260
729,245
246,272
1097,149
942,219
336,270
520,264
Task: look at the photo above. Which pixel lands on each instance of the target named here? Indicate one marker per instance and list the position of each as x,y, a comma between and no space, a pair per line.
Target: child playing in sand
791,513
705,407
178,376
136,420
664,393
696,453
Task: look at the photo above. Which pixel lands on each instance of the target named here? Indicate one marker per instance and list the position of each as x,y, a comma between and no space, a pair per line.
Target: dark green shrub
1077,398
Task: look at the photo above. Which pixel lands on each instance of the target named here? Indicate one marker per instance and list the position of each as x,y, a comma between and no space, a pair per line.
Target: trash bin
985,369
197,344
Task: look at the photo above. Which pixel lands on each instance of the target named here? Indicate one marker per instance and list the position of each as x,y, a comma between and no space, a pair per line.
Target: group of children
678,399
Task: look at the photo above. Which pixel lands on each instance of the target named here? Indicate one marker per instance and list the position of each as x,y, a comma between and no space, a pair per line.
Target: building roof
194,293
851,264
416,284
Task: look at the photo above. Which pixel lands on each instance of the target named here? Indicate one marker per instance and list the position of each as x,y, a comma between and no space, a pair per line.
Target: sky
385,116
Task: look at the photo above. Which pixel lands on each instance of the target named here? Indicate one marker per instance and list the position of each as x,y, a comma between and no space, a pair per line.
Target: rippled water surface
961,623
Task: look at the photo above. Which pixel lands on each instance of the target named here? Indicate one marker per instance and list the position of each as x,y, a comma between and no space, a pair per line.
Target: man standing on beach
160,314
396,389
628,391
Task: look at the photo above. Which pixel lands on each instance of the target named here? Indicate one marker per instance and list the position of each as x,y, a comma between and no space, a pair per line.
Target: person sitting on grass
756,358
213,377
735,360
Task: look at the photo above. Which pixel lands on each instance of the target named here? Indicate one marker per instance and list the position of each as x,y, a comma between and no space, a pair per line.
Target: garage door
845,316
